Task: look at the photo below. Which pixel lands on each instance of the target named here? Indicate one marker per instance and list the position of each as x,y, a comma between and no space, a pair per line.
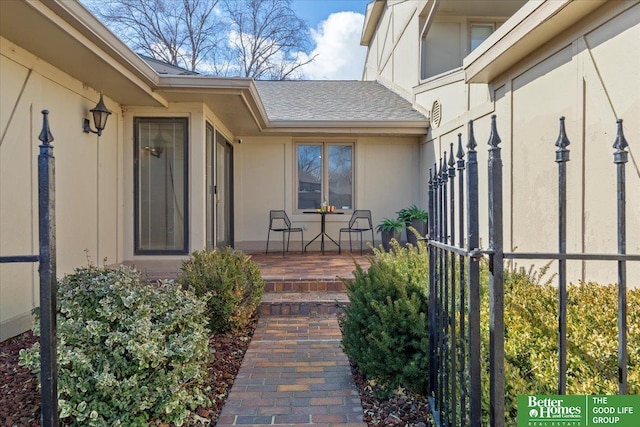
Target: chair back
361,214
279,216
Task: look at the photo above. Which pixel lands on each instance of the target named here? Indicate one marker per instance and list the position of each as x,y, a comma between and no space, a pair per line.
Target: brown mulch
20,398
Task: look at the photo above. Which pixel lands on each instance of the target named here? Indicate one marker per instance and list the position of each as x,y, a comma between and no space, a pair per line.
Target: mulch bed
20,398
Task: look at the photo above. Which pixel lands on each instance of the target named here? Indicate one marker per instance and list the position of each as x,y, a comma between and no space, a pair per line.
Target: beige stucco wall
387,178
584,76
589,74
88,184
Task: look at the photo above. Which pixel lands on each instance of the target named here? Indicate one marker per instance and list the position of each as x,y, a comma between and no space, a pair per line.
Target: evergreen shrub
386,325
531,338
128,352
230,282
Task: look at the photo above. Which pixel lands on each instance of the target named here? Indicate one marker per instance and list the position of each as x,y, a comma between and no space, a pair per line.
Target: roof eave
349,127
371,19
533,25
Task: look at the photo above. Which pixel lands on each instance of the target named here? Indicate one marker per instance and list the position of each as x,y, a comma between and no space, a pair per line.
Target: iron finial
620,144
494,138
45,134
562,141
451,162
562,153
472,144
430,176
460,154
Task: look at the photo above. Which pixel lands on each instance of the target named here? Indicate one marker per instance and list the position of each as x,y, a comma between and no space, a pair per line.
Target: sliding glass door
219,183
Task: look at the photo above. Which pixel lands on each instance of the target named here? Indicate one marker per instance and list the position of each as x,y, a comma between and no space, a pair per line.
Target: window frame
484,23
137,250
324,184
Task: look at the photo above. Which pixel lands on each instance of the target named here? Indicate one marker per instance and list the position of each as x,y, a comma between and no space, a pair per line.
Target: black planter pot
386,239
420,227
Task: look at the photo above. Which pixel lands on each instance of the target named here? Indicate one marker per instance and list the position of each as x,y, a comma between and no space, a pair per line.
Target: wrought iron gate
454,279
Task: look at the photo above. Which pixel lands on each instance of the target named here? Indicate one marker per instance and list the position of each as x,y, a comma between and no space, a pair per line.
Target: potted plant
390,229
416,218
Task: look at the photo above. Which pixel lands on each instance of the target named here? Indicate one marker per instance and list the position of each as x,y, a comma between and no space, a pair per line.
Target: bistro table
323,215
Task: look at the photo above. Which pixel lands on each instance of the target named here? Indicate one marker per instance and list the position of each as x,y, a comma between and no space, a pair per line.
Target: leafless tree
261,39
267,38
179,32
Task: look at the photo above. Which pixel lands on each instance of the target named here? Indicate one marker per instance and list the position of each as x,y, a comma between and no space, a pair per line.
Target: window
479,33
325,172
160,171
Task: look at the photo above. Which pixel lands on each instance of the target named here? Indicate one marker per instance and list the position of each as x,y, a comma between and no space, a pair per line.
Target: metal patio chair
279,221
355,226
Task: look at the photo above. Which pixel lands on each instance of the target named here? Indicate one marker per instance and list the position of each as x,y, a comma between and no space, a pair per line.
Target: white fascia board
371,19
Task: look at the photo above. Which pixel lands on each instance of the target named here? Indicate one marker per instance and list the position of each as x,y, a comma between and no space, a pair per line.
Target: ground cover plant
128,351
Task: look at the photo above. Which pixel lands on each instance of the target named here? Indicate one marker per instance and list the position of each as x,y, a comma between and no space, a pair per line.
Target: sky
336,27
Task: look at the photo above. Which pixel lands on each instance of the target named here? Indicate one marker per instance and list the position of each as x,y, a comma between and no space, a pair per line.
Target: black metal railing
48,280
454,273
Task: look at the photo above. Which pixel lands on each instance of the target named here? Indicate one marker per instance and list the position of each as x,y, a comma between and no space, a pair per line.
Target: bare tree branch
261,39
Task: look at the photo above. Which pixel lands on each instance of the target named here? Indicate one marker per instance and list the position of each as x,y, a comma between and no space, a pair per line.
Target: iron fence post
446,337
562,157
620,157
452,310
48,284
473,240
432,287
462,377
496,282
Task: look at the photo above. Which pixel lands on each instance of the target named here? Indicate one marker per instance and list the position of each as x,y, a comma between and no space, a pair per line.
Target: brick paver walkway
294,373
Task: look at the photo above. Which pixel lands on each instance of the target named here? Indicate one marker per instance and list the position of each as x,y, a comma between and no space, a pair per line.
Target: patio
292,267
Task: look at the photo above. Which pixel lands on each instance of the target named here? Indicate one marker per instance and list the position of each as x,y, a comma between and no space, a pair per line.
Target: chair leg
302,242
373,239
283,243
361,237
350,247
268,233
288,239
340,243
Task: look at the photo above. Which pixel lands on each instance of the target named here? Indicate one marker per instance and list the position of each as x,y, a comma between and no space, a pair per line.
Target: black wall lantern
100,115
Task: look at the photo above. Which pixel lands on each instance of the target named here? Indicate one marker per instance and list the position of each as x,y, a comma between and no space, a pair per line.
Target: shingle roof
326,100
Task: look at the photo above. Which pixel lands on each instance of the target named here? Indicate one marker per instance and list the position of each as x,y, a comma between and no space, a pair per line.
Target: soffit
496,8
67,36
531,27
233,100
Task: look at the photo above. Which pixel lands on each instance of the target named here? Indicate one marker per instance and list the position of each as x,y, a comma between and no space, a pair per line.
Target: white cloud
338,50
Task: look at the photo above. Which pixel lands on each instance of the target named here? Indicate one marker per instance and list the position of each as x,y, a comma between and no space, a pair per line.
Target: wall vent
436,114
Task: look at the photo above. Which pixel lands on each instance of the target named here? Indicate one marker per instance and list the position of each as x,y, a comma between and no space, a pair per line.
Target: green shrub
230,281
128,352
531,342
385,327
